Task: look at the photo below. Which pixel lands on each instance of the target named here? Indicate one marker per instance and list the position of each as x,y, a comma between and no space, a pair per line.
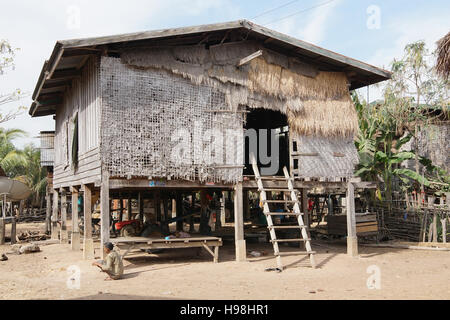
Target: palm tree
11,159
34,176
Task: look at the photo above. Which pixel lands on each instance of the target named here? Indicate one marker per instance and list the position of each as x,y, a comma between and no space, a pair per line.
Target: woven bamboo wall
148,114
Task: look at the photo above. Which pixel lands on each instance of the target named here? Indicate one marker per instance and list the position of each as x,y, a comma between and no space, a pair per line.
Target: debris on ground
25,248
32,236
3,257
256,254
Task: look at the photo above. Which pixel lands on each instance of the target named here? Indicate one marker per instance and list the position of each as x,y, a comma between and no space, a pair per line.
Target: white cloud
315,29
312,29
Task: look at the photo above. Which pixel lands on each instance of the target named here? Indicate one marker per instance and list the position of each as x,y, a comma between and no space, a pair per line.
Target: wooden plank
250,58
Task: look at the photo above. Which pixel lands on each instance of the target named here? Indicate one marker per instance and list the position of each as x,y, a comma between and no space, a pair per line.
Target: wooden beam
250,58
240,247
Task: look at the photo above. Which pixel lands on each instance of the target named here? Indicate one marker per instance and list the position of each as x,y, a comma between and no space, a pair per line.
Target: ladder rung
287,227
288,253
280,201
272,178
289,240
279,190
283,214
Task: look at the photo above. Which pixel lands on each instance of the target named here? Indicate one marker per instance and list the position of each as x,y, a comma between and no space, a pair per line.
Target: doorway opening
267,135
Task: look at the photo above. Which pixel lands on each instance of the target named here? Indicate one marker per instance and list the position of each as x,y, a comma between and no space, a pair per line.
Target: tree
31,173
413,98
7,54
11,159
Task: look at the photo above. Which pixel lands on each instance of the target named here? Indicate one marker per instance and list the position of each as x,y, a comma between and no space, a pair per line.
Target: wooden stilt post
120,208
48,213
13,230
191,218
140,201
246,205
305,207
435,235
55,215
223,210
63,234
129,209
241,253
75,236
157,204
88,242
203,218
444,230
2,230
104,211
352,240
165,225
179,210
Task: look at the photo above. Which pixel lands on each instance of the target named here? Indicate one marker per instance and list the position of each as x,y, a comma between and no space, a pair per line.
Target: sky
372,31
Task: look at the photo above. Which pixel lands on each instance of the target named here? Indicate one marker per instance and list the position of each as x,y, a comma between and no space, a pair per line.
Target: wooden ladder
295,212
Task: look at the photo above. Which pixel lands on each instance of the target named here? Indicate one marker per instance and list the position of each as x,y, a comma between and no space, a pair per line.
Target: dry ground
179,274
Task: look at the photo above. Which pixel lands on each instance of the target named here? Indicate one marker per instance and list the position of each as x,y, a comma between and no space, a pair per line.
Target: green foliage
413,98
23,165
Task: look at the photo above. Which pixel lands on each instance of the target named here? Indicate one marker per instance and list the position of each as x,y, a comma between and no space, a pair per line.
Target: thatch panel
317,103
274,80
324,118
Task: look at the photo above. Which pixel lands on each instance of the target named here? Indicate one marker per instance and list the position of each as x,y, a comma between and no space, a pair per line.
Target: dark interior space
267,119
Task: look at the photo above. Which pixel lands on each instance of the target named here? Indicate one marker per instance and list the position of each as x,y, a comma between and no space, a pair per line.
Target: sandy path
179,274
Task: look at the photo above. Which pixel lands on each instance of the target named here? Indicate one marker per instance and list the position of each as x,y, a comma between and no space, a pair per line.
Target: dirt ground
180,274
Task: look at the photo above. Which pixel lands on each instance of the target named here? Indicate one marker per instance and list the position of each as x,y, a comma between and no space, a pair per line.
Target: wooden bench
130,243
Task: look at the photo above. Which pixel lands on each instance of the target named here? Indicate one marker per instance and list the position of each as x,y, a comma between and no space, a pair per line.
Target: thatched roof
443,60
69,56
